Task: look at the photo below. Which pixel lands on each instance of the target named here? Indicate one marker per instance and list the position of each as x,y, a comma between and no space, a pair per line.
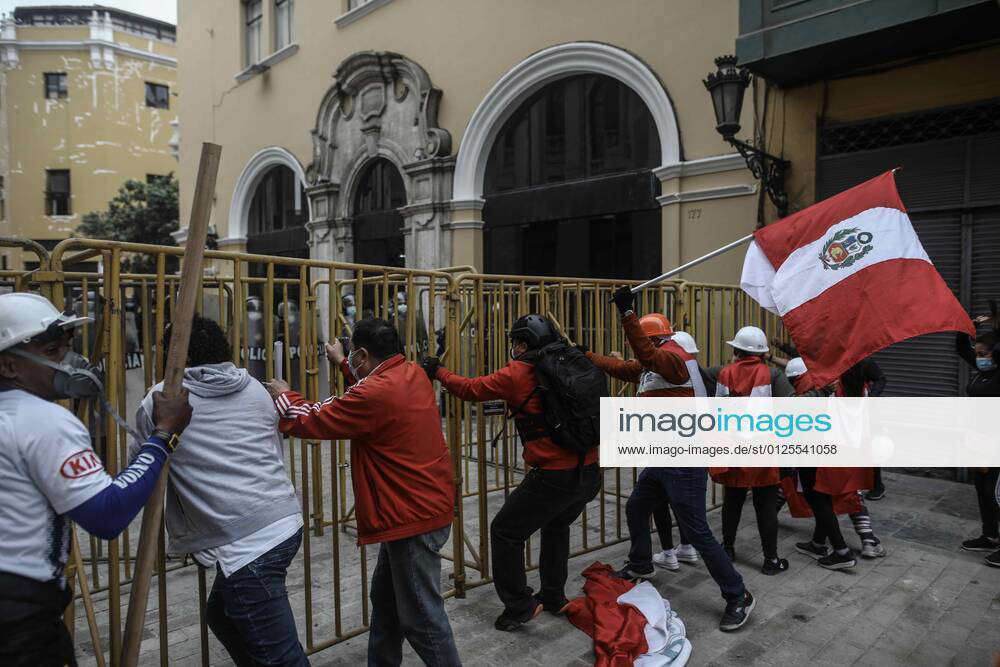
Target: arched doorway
569,187
378,225
277,214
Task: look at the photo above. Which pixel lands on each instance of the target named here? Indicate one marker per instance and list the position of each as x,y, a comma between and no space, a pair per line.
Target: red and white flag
848,276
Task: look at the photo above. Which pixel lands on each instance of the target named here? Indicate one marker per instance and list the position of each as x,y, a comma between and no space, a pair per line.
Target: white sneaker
687,553
666,559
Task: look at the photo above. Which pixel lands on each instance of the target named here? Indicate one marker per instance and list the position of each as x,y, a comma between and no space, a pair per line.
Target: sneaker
993,560
631,574
835,561
872,549
981,543
508,623
737,613
776,566
686,553
875,494
667,559
554,607
730,551
810,549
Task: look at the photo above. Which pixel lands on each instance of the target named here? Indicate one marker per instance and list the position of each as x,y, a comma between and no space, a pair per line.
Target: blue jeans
407,603
249,614
684,489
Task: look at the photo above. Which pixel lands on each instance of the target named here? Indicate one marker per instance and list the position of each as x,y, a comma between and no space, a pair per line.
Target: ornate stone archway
381,104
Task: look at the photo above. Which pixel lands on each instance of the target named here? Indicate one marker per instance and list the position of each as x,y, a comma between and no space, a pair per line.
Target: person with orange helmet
661,369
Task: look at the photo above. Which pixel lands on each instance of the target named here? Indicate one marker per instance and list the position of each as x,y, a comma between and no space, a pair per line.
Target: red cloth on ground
618,630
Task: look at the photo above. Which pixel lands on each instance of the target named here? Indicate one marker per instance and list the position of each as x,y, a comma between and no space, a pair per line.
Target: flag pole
694,262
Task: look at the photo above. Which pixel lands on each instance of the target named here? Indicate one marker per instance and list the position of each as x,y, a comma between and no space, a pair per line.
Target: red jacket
513,384
666,361
401,470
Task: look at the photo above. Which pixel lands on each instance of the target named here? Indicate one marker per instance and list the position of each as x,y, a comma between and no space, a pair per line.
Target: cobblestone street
926,603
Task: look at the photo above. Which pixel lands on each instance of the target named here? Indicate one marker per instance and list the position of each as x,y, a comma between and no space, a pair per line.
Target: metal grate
914,128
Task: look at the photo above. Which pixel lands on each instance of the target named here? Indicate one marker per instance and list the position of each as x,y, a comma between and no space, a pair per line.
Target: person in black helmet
552,494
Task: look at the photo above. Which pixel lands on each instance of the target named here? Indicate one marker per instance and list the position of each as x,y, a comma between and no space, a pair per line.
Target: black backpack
571,387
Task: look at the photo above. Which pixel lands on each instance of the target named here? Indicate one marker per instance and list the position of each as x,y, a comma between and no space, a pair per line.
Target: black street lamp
727,86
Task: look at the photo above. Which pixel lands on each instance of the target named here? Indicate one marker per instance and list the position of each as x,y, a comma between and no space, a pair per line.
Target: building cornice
706,165
85,45
709,193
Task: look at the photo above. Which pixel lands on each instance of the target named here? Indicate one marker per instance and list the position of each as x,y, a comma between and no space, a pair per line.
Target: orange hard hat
655,324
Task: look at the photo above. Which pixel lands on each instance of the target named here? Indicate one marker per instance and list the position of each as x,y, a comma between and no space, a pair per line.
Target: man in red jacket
403,487
683,488
553,492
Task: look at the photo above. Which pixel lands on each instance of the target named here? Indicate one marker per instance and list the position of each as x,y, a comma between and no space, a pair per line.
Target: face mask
352,311
75,376
350,364
985,364
401,309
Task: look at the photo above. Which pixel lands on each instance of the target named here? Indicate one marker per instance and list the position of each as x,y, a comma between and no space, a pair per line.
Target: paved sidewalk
926,603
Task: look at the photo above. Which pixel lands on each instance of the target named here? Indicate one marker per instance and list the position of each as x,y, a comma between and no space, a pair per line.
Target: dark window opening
378,236
57,192
569,185
157,96
55,86
279,203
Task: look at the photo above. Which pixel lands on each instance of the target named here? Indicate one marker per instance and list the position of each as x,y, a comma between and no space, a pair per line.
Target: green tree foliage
140,213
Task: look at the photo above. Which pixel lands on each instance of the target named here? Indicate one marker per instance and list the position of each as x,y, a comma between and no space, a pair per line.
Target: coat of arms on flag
873,284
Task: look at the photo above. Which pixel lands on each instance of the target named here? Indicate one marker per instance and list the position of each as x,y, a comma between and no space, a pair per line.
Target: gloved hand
624,299
431,366
583,348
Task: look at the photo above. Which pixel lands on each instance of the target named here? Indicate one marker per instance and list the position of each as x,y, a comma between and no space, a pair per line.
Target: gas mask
75,376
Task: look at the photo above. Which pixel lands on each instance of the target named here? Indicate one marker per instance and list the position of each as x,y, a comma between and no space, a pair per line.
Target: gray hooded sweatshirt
227,477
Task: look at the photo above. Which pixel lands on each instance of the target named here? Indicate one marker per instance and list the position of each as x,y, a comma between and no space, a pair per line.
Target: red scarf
743,376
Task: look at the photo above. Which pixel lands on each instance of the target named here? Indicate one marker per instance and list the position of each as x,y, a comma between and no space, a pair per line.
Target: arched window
277,214
569,188
378,225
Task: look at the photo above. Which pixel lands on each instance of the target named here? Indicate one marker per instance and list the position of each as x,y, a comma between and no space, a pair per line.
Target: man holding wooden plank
50,474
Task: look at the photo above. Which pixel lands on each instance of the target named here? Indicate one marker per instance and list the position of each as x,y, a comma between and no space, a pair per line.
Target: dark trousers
545,500
37,641
249,614
664,527
684,489
878,486
407,603
827,525
765,505
989,512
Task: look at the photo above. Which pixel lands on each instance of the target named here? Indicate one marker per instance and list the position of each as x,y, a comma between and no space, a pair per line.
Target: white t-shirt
236,555
47,468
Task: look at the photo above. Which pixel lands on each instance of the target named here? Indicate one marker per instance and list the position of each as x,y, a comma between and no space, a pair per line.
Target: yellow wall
465,47
102,132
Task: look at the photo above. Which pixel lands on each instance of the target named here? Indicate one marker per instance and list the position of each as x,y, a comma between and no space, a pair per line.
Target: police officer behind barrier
50,475
552,494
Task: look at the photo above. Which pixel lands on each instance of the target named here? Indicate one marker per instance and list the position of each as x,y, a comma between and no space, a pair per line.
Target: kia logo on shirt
81,464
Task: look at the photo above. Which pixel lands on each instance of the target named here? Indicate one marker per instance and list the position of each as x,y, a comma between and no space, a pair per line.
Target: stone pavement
926,603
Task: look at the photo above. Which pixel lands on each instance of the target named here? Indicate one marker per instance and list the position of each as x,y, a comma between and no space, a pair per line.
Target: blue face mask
352,311
985,364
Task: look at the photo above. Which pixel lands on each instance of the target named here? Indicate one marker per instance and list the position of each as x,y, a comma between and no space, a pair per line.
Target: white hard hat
686,342
795,367
23,316
749,339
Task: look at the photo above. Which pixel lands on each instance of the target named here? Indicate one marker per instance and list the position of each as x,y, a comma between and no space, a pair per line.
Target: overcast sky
164,10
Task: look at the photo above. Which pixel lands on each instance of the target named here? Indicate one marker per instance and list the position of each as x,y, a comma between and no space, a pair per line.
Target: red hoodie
513,384
401,469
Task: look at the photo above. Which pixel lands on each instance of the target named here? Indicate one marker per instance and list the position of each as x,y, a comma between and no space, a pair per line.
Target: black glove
624,299
431,366
582,348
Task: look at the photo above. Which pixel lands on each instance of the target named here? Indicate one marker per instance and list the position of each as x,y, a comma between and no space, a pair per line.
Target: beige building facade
88,100
395,107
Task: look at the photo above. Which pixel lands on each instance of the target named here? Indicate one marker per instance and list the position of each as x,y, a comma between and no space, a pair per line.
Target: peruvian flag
848,276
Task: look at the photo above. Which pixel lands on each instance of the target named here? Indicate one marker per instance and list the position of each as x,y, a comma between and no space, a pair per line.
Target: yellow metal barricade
279,312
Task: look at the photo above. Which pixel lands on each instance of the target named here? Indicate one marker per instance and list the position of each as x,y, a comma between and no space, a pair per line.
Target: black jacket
983,383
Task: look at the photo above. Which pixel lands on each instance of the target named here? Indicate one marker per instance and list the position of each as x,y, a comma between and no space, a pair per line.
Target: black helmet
534,330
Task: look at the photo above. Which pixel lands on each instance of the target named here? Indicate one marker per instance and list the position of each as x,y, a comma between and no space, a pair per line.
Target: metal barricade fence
278,313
